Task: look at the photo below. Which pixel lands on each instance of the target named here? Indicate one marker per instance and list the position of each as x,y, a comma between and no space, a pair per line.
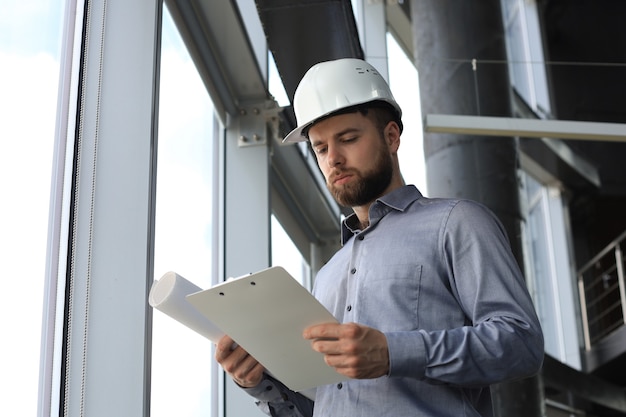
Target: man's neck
363,212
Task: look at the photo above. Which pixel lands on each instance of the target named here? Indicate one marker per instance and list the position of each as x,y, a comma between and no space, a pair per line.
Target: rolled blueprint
168,295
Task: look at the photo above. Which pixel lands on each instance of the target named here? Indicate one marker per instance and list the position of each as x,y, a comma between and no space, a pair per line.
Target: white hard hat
330,86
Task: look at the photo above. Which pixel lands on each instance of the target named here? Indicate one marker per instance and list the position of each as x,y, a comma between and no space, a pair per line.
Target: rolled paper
168,295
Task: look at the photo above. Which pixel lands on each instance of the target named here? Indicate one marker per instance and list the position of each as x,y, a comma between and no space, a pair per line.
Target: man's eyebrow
339,134
346,131
316,143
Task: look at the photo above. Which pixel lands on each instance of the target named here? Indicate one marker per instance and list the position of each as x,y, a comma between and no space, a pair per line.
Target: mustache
340,173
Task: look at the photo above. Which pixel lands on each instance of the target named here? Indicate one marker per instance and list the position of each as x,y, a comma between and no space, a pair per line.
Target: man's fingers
322,331
354,350
239,363
241,366
327,346
224,348
248,373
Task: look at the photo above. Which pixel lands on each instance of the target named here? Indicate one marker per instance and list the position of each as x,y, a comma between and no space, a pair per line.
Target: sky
30,33
29,50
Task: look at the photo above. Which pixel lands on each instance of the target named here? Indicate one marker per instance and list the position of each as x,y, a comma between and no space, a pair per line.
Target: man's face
353,157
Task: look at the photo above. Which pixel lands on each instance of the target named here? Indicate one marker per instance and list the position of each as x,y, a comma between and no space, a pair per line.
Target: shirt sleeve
275,399
502,339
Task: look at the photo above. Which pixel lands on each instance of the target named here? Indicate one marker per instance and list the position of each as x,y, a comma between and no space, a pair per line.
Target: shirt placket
354,273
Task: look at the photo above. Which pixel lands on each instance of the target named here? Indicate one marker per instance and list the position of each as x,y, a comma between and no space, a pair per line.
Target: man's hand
242,368
354,350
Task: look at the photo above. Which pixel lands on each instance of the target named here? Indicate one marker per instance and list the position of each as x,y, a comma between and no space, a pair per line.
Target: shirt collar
399,199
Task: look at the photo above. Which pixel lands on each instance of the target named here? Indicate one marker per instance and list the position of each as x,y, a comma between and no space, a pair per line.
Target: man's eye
320,151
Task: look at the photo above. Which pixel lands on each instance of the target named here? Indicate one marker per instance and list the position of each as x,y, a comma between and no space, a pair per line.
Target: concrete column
449,35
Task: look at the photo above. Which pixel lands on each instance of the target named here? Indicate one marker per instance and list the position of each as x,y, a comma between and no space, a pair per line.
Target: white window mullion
59,218
110,267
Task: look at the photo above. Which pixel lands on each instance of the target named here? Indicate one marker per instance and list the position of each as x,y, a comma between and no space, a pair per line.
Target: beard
368,185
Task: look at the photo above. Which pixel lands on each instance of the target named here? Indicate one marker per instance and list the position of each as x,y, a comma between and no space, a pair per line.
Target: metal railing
602,290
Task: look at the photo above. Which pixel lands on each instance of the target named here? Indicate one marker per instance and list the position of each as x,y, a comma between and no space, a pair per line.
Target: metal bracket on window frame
253,120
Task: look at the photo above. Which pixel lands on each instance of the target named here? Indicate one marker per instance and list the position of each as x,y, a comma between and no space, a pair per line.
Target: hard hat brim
296,135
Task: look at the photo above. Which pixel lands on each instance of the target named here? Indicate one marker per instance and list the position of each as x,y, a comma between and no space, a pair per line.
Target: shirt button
349,308
353,271
361,237
339,385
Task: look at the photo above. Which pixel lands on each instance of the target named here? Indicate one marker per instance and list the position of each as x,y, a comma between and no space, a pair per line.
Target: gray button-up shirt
438,278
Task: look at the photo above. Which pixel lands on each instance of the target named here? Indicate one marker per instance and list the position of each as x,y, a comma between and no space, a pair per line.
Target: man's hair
380,112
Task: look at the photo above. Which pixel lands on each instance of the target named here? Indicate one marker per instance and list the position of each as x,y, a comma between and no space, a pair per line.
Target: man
432,305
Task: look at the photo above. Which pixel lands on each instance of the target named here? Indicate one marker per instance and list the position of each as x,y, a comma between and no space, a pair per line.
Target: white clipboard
266,313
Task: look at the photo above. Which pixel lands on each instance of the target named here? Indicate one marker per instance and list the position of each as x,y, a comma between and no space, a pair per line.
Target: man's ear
392,136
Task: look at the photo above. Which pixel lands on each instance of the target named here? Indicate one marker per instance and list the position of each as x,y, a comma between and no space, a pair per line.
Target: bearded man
431,304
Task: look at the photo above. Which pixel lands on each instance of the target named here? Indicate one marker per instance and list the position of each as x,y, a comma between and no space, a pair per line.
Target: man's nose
335,157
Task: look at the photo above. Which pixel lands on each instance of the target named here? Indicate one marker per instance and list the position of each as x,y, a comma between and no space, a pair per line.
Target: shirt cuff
266,391
407,354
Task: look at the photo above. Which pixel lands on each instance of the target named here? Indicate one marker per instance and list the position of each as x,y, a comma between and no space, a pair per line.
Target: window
525,52
404,85
549,269
285,254
181,370
30,49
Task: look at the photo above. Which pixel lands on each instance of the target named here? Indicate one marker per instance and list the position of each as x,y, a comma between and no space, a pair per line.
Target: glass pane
275,84
30,48
181,359
544,295
517,50
404,85
541,228
525,53
285,254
